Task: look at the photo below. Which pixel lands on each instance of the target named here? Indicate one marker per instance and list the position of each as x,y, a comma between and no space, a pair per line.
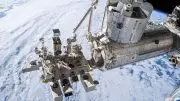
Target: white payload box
127,20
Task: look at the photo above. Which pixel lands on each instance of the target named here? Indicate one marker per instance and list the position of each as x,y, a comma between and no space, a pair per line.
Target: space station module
127,20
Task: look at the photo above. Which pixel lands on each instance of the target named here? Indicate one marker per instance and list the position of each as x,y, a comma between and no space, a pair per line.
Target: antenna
105,15
89,11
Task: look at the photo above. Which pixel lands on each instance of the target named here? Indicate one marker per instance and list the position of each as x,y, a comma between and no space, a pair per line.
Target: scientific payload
126,36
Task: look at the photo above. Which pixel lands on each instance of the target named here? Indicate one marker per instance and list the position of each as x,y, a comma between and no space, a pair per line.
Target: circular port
85,77
55,85
72,74
75,78
65,82
82,72
71,65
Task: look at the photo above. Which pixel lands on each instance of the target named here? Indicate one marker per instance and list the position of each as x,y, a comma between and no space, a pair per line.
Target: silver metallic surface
127,22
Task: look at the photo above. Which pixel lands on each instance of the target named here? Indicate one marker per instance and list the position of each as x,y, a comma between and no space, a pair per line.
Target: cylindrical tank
126,24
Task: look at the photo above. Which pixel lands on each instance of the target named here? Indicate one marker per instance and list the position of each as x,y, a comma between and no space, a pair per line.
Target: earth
23,22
